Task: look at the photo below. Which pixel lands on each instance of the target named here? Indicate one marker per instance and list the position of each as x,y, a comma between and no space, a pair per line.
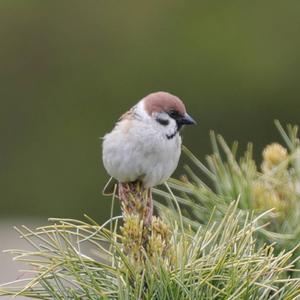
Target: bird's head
167,112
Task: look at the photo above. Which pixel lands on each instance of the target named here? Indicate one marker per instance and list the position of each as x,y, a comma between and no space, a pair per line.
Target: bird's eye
173,113
163,122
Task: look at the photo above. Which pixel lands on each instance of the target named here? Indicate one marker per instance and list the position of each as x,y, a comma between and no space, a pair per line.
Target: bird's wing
128,115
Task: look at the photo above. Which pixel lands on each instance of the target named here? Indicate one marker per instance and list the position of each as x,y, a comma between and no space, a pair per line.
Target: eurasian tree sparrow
145,144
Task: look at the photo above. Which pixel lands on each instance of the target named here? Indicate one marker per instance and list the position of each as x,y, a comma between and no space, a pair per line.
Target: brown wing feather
128,115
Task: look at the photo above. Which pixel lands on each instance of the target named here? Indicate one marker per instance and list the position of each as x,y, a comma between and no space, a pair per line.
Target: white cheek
170,128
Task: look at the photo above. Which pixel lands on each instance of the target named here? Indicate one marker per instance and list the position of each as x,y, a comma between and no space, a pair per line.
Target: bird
144,146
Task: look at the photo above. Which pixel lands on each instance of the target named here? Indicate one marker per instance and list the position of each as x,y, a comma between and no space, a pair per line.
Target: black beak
186,120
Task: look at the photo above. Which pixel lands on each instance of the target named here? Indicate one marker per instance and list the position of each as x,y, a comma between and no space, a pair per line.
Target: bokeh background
69,69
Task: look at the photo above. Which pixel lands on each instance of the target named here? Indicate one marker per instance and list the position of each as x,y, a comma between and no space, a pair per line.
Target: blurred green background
69,69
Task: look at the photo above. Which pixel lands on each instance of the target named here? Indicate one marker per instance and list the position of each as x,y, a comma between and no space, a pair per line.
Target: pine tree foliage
275,185
226,230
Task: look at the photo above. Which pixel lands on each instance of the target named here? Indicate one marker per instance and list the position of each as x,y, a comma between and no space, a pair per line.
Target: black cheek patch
163,122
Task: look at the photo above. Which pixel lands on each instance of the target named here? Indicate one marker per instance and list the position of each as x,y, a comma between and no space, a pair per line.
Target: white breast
136,151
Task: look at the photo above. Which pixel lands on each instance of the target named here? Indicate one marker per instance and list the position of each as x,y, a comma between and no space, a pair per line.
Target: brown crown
163,102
